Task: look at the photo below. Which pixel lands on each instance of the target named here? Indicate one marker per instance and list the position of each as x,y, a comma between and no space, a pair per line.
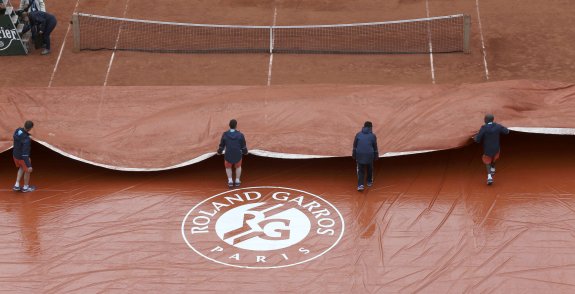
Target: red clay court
131,197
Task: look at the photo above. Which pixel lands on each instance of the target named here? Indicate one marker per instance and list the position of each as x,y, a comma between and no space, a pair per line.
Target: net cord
271,27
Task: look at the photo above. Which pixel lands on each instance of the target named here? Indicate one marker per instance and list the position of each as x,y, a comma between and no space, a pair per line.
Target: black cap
368,124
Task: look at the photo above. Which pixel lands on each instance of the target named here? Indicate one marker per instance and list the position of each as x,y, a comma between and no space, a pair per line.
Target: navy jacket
365,147
40,21
21,148
489,136
235,145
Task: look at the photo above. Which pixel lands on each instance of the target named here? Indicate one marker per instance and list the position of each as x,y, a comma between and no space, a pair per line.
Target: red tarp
154,128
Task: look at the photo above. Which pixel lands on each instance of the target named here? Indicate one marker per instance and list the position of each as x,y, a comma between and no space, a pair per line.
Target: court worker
365,152
489,135
234,144
21,156
42,24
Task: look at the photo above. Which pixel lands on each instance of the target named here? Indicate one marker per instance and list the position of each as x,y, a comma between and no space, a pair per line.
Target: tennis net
444,34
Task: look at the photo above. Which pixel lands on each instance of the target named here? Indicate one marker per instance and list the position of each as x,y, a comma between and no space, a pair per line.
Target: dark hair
489,118
367,124
233,124
28,125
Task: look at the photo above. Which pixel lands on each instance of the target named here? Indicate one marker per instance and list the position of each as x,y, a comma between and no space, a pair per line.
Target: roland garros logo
263,227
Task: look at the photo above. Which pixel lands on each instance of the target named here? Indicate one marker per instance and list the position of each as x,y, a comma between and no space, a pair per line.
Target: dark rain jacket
235,145
40,22
489,136
21,148
365,147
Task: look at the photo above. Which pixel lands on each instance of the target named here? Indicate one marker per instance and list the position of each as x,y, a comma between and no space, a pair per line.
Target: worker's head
28,125
489,118
367,124
233,124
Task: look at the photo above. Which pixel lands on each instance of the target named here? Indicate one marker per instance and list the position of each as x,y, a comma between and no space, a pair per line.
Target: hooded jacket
489,136
21,148
365,147
234,143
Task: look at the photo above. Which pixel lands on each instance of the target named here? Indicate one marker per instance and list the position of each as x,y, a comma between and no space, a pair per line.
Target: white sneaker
29,189
492,170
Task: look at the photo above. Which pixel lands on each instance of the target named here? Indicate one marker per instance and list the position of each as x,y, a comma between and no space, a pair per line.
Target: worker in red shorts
488,135
234,143
21,155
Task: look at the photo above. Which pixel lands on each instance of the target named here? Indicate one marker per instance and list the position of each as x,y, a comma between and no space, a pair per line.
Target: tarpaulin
155,128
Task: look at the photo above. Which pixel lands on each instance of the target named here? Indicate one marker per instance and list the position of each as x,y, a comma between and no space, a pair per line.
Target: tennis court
160,222
516,46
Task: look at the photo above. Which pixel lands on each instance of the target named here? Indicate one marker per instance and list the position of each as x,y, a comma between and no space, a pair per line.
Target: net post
76,31
466,32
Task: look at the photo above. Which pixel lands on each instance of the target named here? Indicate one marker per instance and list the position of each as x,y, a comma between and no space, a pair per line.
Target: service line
115,46
482,40
430,45
61,49
271,48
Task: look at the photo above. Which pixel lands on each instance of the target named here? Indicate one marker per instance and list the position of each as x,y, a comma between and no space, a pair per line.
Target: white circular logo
263,227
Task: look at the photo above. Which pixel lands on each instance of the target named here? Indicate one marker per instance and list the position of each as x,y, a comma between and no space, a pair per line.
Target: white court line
482,41
61,49
110,64
430,45
115,47
270,69
271,48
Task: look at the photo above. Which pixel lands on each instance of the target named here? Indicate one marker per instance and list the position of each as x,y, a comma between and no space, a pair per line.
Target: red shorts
490,160
230,165
21,164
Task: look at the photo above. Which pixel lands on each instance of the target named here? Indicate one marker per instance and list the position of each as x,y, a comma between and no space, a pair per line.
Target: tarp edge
546,131
271,154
